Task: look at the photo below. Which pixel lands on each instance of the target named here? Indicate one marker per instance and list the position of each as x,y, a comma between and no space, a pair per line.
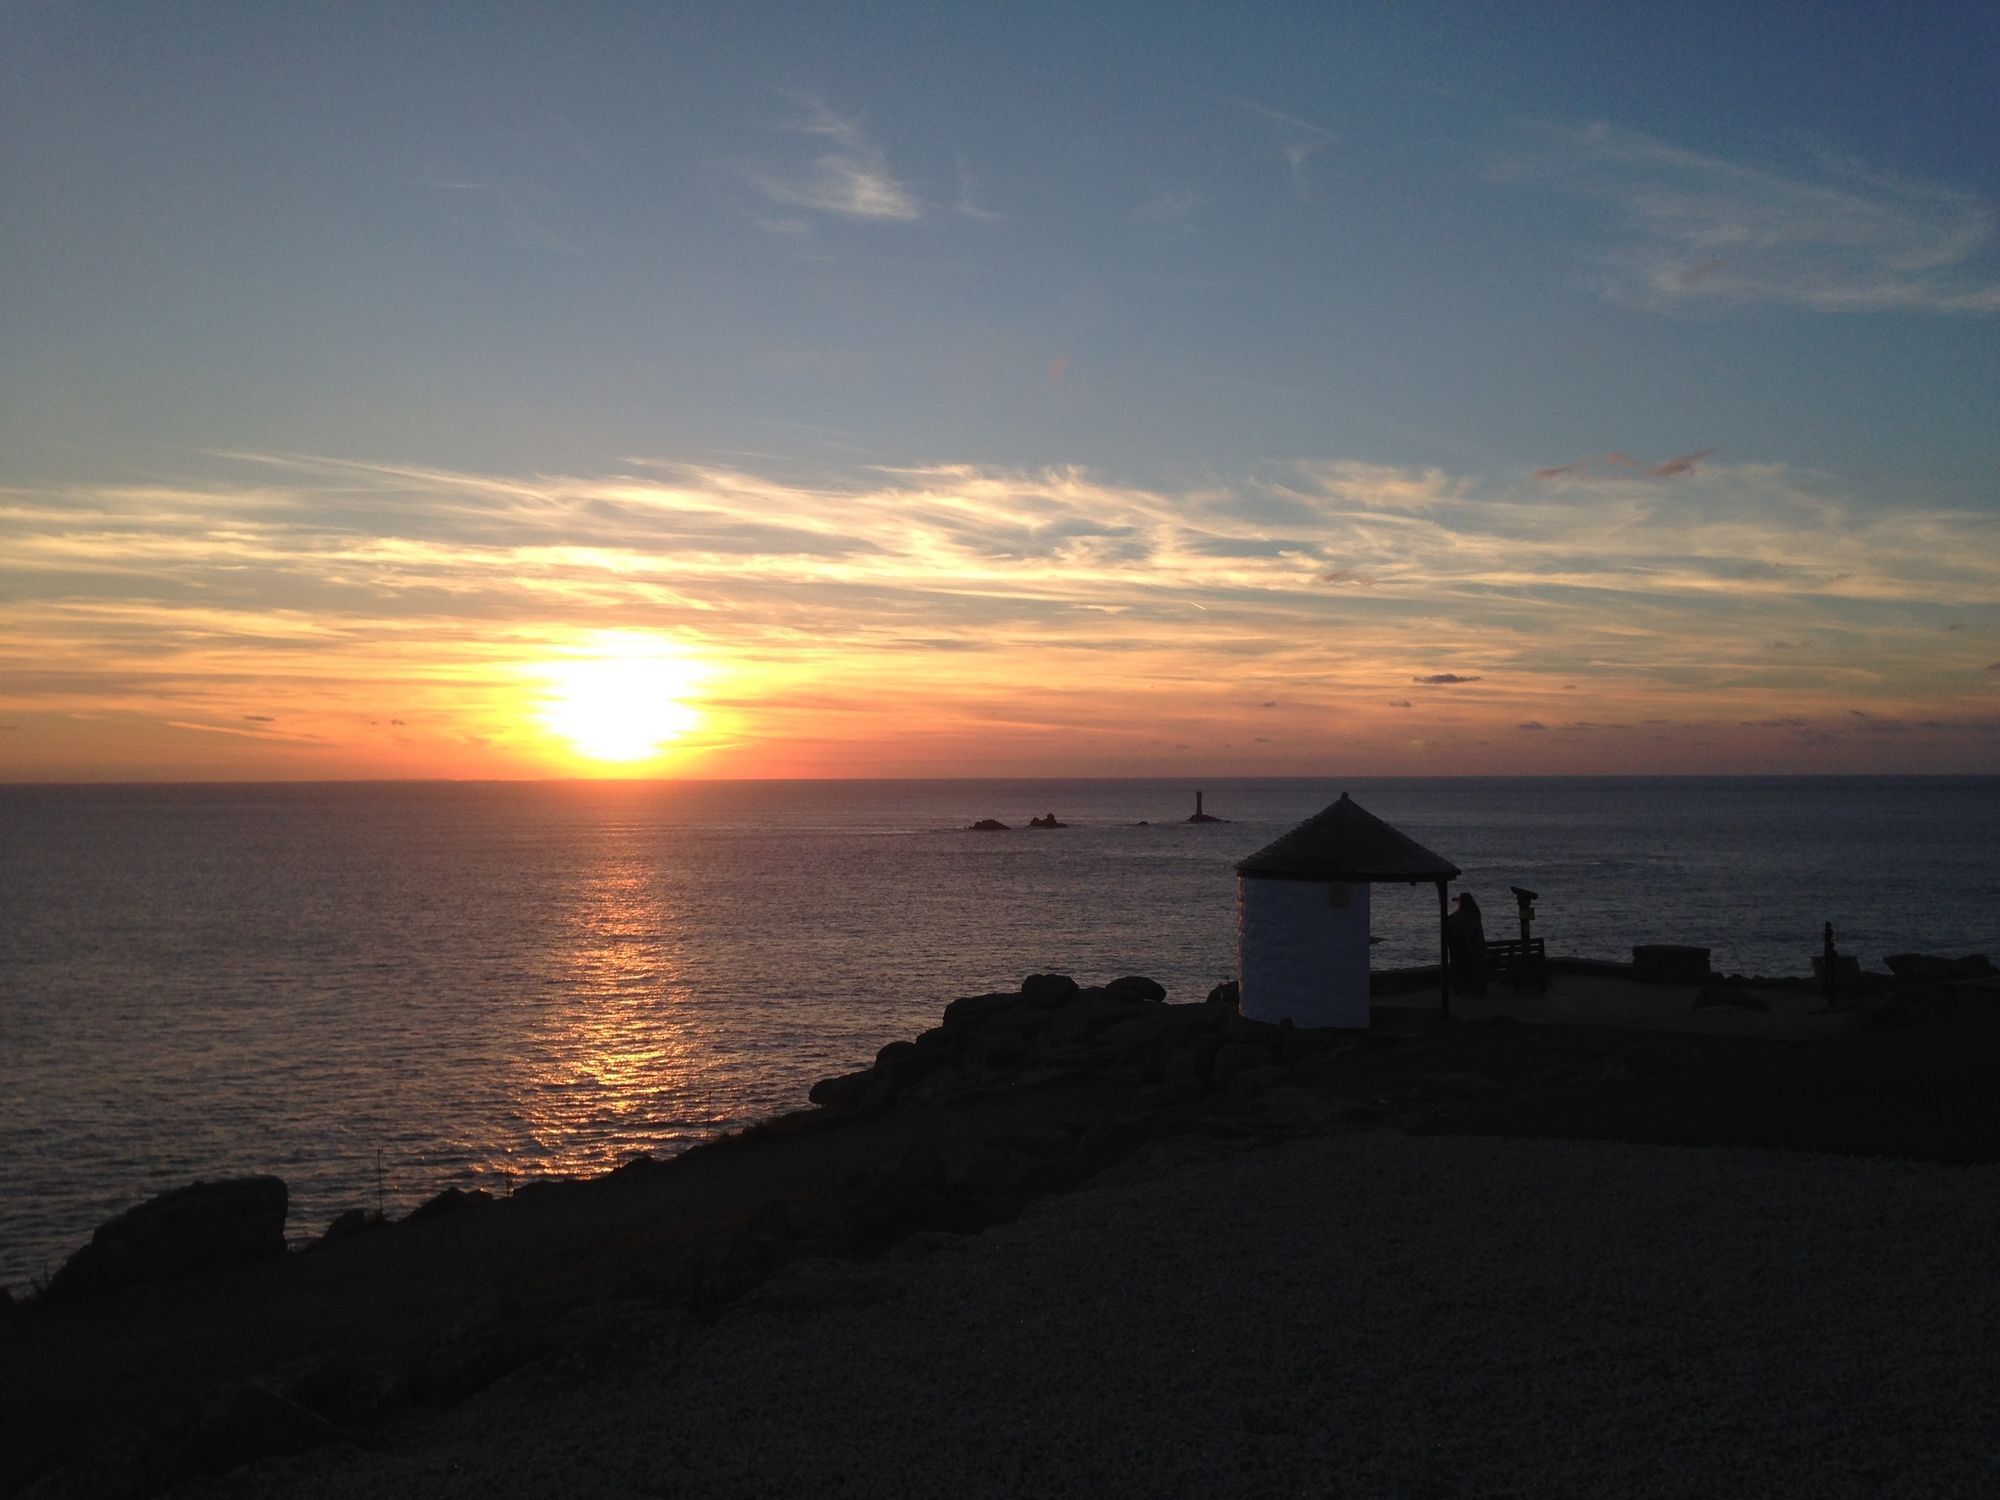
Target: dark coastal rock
346,1226
843,1091
203,1224
350,1391
1251,1082
1232,1058
249,1422
450,1201
938,1084
903,1063
968,1009
1929,967
1047,989
1669,963
1047,822
988,825
1138,984
1227,995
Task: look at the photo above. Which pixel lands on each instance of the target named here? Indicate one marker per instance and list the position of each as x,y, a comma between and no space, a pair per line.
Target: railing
1518,963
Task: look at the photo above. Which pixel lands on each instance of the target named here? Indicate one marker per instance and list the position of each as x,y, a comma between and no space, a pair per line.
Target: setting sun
623,701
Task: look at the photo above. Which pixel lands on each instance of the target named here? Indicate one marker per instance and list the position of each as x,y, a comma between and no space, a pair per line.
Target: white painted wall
1302,951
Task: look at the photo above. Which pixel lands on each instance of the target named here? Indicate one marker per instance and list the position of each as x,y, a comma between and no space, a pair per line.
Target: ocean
378,990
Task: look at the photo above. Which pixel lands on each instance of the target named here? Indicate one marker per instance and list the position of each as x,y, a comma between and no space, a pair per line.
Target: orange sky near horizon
306,619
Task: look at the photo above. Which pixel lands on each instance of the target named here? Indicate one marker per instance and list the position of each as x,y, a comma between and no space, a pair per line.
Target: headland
1082,1239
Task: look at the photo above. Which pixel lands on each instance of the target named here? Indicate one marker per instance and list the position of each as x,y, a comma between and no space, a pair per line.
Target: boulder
903,1063
1047,989
988,825
1138,984
1228,995
200,1225
843,1091
1047,822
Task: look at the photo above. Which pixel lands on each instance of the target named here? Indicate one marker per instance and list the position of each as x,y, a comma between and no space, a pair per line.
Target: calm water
383,989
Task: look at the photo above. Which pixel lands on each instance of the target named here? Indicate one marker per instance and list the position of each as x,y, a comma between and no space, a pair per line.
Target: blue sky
1613,285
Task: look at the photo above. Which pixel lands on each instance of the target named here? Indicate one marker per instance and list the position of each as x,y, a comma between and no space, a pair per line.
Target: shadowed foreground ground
1358,1271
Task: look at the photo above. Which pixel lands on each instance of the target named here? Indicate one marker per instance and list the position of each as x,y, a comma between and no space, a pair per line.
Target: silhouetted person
1465,937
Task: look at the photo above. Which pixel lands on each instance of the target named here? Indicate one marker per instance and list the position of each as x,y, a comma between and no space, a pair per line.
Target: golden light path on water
613,1056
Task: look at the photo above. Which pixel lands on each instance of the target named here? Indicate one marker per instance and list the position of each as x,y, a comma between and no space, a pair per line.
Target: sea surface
377,990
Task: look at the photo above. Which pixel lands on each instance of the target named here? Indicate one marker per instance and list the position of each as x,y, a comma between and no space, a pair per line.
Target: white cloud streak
1693,227
848,179
1299,140
1324,585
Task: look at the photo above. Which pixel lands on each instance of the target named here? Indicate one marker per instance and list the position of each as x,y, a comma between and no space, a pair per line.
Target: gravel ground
1364,1315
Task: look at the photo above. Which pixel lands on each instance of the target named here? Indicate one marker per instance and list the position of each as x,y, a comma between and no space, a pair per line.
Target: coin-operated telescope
1525,900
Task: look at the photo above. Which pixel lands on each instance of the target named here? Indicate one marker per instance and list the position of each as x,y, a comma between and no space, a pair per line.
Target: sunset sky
879,390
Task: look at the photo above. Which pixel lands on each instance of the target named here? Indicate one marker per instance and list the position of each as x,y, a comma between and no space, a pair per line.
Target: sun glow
623,698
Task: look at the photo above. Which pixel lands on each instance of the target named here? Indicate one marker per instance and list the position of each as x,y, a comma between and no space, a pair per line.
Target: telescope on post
1525,900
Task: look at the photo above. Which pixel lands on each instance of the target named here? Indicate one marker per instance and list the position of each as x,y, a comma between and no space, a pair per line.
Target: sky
1081,389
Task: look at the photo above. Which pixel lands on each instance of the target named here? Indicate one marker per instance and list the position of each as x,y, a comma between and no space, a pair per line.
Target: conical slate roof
1346,843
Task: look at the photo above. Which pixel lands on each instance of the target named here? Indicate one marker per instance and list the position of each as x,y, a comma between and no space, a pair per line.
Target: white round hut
1302,914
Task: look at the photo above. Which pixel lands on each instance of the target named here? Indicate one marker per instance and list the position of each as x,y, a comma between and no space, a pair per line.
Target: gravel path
1364,1315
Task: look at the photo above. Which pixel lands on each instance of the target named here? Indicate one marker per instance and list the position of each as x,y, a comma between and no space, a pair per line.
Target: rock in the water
1138,984
988,825
202,1224
1047,822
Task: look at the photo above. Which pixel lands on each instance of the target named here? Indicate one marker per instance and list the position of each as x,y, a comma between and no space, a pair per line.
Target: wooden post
1444,946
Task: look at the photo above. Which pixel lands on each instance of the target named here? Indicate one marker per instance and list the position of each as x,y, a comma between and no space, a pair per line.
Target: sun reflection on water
611,1063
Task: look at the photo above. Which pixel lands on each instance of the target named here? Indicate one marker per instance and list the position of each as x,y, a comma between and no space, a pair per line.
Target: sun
623,697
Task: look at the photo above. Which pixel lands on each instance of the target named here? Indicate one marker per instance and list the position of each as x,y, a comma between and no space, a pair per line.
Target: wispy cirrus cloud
1691,226
323,594
1299,141
968,205
849,178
